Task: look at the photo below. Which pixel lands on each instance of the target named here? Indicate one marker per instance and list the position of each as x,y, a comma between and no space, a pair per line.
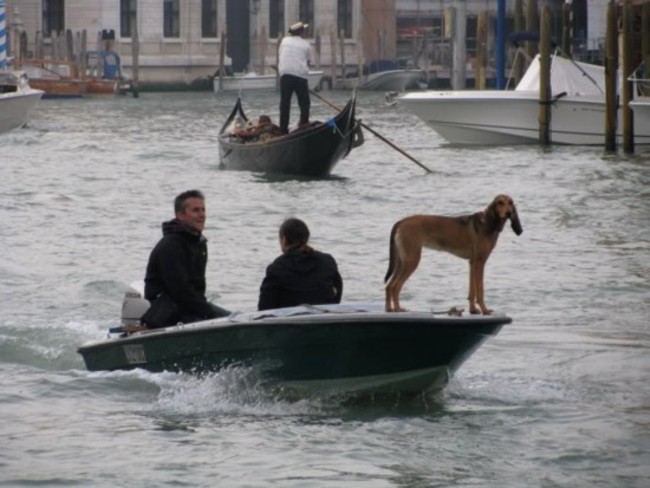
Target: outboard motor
134,304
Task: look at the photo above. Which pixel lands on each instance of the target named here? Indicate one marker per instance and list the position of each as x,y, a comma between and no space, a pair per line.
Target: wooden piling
55,45
519,65
264,40
222,56
545,78
39,51
611,64
481,49
318,48
277,61
566,30
333,55
135,60
532,25
342,47
69,46
645,41
627,117
459,46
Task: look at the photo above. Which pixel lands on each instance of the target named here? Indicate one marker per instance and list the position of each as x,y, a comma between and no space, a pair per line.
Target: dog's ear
514,221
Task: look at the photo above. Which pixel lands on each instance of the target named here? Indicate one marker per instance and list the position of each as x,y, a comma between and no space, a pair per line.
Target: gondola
312,151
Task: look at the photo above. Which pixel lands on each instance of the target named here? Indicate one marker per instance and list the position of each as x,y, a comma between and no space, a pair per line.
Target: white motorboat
255,81
505,117
17,99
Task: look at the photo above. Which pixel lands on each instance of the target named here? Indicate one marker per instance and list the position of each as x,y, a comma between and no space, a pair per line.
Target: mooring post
567,33
222,56
611,65
519,61
135,59
481,50
545,77
626,67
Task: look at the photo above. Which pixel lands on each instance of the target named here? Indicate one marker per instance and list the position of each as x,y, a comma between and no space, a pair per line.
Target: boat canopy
571,77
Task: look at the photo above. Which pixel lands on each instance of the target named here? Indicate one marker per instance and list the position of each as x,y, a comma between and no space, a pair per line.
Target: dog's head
503,208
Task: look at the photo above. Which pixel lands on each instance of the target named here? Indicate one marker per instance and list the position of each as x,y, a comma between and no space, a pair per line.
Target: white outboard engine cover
134,304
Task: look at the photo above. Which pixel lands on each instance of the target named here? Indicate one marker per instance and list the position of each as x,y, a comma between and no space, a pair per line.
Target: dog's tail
391,253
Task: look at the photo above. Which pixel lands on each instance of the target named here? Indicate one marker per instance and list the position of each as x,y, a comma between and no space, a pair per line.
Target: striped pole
3,35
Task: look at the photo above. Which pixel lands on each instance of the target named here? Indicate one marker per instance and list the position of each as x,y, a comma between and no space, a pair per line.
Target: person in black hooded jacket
175,278
301,275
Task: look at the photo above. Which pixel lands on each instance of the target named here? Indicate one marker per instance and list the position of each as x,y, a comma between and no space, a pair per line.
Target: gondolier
293,66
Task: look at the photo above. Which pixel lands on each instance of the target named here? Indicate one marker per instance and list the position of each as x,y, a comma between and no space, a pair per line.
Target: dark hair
295,231
179,201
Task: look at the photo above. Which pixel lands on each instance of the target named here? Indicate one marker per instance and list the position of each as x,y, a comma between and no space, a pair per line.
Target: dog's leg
405,265
409,265
480,298
471,296
392,302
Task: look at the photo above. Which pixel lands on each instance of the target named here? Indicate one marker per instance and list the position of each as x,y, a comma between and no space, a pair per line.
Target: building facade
180,41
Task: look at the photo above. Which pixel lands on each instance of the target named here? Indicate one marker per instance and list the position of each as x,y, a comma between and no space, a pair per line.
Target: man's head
298,29
189,207
293,233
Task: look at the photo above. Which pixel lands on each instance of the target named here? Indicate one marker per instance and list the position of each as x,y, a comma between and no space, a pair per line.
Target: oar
398,149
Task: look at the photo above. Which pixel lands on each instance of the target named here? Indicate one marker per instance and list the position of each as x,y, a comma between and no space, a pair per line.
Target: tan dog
470,237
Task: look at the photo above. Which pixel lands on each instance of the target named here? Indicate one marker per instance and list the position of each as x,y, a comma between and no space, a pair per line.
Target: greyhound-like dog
471,237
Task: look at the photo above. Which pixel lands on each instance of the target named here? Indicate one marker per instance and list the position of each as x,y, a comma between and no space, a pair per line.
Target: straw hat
297,28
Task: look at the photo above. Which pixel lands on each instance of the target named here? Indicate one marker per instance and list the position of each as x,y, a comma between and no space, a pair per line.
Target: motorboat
310,151
17,99
254,81
345,348
506,117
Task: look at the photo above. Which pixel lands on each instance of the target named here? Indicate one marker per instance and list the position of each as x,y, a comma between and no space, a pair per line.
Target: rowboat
311,151
345,348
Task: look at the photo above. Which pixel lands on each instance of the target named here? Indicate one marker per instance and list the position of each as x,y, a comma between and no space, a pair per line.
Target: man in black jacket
175,279
301,275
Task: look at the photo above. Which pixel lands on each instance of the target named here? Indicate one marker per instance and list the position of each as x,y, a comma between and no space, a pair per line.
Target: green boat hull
324,348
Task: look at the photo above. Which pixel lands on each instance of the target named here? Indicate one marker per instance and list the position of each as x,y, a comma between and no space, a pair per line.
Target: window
128,16
208,18
306,14
276,18
344,18
171,18
53,17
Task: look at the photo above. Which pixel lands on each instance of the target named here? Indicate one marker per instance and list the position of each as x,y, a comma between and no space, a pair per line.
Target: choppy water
558,398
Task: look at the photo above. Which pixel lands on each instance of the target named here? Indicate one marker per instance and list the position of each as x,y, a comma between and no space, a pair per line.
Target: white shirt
294,56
